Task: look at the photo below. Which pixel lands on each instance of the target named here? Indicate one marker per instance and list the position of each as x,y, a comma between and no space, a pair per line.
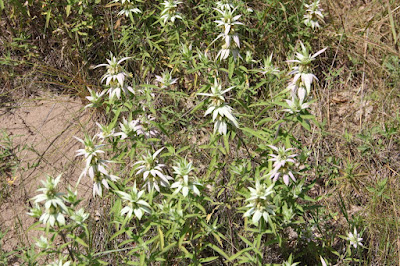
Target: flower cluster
259,202
135,205
300,85
54,204
354,239
283,162
152,171
184,179
227,23
95,167
115,77
313,15
127,7
169,12
219,109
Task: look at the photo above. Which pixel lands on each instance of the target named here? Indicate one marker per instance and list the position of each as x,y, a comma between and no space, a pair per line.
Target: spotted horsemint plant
260,202
169,12
228,23
95,98
152,171
128,7
135,205
221,112
283,162
314,15
185,181
354,239
95,167
54,205
165,80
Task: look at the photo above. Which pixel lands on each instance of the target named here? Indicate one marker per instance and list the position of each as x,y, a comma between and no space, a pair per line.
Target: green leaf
78,239
220,251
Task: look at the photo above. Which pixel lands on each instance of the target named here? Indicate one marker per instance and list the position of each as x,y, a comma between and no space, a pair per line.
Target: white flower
302,73
169,12
297,104
115,89
114,71
228,21
165,80
106,132
127,7
219,109
152,171
54,205
94,98
43,243
80,216
268,68
314,14
185,181
130,128
260,205
95,166
354,238
90,152
135,204
282,164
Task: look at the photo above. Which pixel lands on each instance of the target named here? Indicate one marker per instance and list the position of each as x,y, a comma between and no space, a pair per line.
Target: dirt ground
42,131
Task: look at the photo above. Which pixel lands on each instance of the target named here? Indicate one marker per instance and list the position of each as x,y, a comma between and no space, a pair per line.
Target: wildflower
184,178
259,202
228,22
114,70
314,14
219,109
95,166
165,80
90,152
94,98
302,73
130,128
281,165
268,68
135,204
53,202
128,8
169,11
115,89
297,103
354,238
106,132
80,216
152,171
43,243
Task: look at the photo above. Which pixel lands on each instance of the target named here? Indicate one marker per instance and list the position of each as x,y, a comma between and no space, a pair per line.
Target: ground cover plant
220,133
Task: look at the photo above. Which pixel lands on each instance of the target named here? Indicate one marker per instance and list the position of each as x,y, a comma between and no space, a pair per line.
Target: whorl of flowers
303,78
228,22
220,110
169,12
283,162
184,179
135,205
354,239
54,205
165,80
127,7
152,171
95,167
115,77
259,202
313,15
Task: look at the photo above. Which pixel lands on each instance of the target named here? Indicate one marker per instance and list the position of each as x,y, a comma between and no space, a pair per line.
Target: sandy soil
42,131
